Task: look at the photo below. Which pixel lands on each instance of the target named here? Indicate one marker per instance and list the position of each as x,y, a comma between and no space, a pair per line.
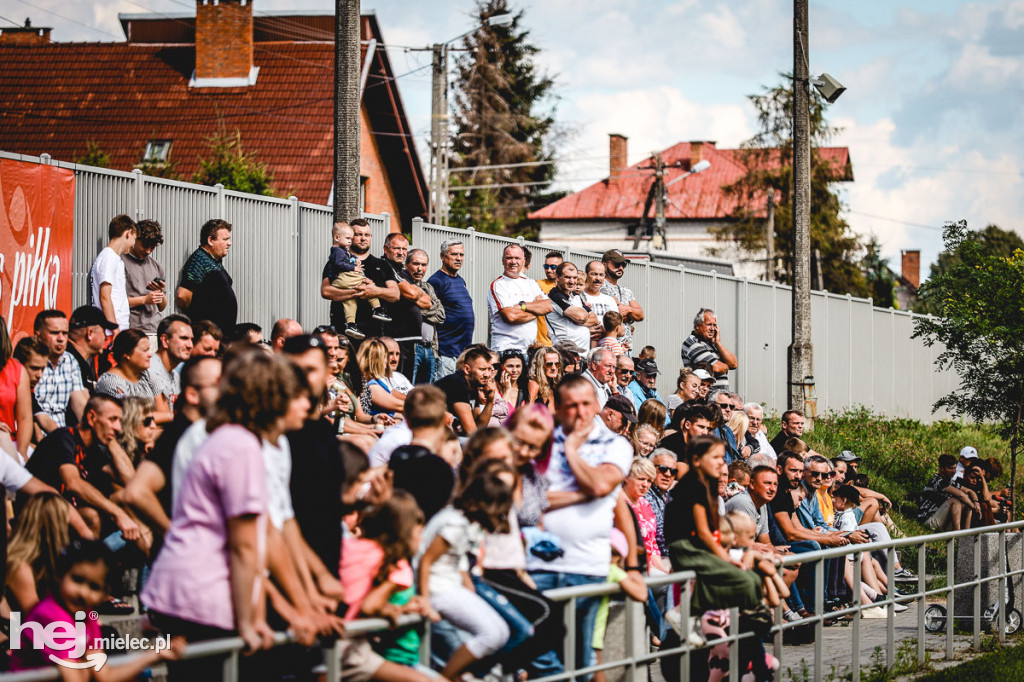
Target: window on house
362,193
157,151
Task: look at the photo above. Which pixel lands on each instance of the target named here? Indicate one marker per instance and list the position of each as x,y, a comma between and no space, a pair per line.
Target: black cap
646,366
623,405
88,316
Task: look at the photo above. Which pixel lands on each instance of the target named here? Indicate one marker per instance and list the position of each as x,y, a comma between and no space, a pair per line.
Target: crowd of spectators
384,464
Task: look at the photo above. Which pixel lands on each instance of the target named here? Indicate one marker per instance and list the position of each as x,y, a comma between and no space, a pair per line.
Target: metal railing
863,355
637,653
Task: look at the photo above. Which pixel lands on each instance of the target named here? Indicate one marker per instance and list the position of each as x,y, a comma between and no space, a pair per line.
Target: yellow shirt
825,504
543,338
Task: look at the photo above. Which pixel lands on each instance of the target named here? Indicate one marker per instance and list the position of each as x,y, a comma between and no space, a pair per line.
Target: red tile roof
699,197
58,97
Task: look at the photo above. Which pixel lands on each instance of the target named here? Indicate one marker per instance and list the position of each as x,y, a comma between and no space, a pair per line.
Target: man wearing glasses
629,307
732,452
624,373
551,263
755,415
570,317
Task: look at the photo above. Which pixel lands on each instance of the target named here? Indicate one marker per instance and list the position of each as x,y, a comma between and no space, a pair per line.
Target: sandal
115,607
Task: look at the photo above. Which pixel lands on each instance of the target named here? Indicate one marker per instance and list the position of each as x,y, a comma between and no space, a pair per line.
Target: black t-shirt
318,473
163,456
378,271
679,523
64,446
85,366
214,300
783,502
456,390
675,442
779,442
407,316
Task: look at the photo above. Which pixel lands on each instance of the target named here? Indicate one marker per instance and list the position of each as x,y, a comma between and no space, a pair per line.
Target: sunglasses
724,406
149,421
626,371
619,265
662,469
550,267
551,364
819,474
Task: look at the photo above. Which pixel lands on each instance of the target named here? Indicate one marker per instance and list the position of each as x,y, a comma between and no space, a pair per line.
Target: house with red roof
157,97
607,214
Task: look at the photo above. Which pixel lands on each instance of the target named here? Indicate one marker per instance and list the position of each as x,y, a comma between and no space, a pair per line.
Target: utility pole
801,353
438,213
769,239
347,75
659,205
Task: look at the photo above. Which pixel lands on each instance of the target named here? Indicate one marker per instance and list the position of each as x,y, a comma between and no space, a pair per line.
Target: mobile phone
158,280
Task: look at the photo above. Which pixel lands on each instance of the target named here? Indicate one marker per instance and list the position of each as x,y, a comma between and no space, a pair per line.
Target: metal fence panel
864,355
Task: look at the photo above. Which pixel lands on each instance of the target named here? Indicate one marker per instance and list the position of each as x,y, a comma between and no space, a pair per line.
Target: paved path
837,647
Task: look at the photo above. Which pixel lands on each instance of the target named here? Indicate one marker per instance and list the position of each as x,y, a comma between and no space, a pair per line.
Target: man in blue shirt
645,385
457,331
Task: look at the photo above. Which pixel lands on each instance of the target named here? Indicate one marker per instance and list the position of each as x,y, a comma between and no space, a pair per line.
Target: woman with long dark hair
130,377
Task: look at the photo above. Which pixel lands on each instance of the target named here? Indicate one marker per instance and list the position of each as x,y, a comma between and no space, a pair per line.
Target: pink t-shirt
191,578
46,612
360,563
648,526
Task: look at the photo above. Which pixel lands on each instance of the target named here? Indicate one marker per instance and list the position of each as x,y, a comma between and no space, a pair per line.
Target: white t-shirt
399,382
277,460
584,529
13,476
507,292
601,304
109,268
765,445
462,537
394,437
561,327
184,452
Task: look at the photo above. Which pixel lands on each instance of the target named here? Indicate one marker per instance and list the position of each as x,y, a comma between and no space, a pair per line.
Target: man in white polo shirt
570,318
514,303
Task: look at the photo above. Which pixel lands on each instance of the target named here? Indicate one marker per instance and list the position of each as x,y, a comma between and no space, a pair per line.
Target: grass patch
1005,664
900,456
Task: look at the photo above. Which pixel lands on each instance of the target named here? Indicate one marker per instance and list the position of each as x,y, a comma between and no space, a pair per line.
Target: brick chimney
25,35
617,151
224,44
698,150
910,268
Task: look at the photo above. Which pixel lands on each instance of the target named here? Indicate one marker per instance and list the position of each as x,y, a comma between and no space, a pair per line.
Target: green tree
94,156
768,159
993,241
503,114
980,328
879,276
232,167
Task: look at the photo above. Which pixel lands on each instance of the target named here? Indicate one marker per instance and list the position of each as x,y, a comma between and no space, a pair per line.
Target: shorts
359,662
940,519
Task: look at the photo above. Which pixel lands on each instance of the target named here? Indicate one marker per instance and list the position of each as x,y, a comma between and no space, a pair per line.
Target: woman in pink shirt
206,582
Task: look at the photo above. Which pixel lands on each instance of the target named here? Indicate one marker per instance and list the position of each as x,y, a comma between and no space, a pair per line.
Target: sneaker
899,608
353,332
381,315
695,638
873,612
903,575
791,616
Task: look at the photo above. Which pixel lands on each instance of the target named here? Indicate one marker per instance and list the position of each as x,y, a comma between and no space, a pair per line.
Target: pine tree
94,156
768,158
879,276
500,118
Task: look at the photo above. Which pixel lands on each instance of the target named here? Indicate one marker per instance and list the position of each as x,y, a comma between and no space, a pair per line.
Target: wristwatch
522,304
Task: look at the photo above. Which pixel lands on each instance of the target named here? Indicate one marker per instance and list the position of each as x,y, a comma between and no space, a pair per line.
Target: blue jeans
519,627
550,663
423,364
805,587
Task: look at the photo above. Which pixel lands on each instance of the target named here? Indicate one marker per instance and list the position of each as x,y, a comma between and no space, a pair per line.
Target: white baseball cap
968,452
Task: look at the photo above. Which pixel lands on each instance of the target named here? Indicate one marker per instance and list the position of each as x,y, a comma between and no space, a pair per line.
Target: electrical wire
895,220
73,21
12,21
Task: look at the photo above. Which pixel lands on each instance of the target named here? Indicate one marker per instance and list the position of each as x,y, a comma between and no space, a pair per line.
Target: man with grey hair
456,333
425,358
624,373
755,415
664,460
601,373
705,345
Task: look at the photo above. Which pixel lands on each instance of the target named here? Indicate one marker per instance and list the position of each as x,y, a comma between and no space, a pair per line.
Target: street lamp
438,212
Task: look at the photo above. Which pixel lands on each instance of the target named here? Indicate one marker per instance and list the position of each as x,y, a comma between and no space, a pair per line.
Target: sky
933,113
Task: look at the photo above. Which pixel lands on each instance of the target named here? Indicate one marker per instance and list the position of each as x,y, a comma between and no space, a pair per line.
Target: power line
11,20
895,220
73,21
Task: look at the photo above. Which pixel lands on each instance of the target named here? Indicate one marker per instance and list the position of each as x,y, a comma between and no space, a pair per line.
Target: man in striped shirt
705,345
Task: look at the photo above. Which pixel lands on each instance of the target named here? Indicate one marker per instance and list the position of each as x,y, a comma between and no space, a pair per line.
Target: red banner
36,234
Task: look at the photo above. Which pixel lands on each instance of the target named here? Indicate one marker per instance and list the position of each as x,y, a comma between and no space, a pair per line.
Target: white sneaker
695,638
899,608
873,612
